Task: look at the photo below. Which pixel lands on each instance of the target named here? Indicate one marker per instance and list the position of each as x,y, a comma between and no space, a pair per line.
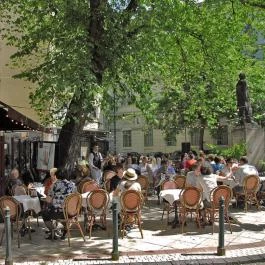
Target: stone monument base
254,137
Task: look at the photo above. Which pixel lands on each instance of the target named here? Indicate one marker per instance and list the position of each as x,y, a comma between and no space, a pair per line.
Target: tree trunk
201,140
69,138
203,124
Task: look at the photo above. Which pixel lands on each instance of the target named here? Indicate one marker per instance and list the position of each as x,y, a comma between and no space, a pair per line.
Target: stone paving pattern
161,243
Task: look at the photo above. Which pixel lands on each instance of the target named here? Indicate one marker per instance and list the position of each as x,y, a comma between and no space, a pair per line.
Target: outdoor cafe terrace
158,238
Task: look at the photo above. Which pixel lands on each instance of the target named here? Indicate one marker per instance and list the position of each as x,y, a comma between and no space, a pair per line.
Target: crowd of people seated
201,171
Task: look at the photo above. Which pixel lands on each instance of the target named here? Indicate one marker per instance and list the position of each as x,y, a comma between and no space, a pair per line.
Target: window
222,136
195,137
171,140
127,138
148,138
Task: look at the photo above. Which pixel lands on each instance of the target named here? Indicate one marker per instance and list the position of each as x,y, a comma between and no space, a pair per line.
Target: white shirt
208,183
91,158
191,179
244,171
134,186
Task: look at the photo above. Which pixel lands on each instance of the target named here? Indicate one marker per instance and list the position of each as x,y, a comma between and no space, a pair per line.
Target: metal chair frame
131,204
71,215
16,217
190,206
249,191
97,203
215,196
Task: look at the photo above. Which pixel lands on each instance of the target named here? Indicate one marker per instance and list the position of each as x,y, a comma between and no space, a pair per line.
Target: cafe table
172,197
29,203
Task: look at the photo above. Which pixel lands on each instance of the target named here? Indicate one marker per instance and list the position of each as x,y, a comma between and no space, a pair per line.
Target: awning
12,120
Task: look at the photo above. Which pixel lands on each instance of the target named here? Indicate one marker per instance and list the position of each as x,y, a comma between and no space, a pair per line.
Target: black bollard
9,258
115,249
221,247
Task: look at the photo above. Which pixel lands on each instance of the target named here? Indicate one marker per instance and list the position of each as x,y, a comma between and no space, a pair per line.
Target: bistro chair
215,196
16,218
131,204
144,182
108,174
261,192
97,205
107,185
71,211
88,185
190,202
249,193
168,184
167,207
180,181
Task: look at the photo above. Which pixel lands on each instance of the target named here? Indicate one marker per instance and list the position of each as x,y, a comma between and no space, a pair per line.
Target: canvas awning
12,120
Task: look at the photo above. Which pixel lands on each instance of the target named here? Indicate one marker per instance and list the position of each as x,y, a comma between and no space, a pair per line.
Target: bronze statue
243,103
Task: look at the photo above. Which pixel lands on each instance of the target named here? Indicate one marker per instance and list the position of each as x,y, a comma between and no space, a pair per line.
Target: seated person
56,195
244,169
164,172
13,181
207,181
81,173
50,181
191,178
146,170
129,181
217,166
228,171
115,180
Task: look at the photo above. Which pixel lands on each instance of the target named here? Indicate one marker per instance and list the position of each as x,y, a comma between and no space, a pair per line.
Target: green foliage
235,151
178,61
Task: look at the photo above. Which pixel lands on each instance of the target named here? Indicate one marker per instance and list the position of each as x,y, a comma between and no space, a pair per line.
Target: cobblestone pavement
161,243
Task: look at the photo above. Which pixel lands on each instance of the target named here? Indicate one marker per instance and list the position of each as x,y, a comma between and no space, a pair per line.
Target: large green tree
176,60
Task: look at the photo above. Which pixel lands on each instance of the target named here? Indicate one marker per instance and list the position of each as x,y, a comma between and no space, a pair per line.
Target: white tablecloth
170,195
262,179
84,196
29,203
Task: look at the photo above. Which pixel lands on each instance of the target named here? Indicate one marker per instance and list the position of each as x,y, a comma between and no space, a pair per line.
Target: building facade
133,135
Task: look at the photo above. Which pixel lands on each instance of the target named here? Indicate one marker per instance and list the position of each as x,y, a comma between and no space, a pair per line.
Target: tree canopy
178,61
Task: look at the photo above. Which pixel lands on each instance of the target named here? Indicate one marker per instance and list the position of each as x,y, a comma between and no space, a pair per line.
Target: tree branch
253,4
132,6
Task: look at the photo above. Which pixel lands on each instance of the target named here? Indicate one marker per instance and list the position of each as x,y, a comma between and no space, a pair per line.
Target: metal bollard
221,247
115,249
9,257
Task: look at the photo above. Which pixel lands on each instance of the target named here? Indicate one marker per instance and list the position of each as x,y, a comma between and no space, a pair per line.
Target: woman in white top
192,176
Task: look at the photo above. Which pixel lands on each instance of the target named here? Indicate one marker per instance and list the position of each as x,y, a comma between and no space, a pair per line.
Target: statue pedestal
254,137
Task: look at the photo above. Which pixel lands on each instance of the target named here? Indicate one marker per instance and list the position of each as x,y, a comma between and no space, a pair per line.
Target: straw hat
130,174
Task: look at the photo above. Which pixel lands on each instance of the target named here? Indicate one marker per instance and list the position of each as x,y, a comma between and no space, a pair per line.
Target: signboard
46,152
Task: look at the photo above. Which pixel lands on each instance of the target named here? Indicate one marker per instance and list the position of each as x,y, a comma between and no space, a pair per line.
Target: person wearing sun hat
129,181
